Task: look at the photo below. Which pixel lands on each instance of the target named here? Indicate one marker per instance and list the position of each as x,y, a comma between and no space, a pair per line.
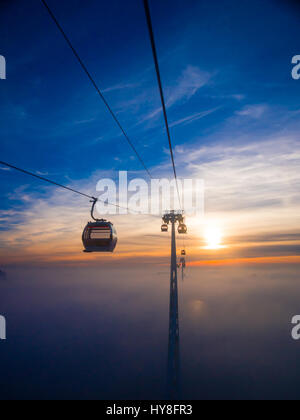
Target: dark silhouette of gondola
100,235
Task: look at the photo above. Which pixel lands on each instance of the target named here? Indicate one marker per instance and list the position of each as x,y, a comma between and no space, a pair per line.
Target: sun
213,237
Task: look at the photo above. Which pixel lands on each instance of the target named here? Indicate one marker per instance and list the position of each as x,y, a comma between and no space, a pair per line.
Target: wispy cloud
194,117
182,90
86,121
188,84
236,96
253,111
121,86
42,173
251,187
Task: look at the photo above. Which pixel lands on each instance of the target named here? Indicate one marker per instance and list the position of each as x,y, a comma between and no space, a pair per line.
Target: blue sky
226,69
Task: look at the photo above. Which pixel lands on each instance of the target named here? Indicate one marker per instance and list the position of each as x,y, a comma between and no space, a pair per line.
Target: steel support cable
8,165
92,80
154,51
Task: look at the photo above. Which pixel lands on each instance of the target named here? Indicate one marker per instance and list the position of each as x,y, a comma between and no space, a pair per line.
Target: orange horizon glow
210,242
136,258
291,259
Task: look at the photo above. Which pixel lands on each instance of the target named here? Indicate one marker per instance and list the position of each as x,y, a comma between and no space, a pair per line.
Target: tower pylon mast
173,369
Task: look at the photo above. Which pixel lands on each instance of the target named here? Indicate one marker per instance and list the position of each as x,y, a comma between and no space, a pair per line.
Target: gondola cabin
164,228
99,236
182,262
182,229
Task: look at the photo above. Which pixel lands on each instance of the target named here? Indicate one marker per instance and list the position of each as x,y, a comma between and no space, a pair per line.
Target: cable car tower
173,369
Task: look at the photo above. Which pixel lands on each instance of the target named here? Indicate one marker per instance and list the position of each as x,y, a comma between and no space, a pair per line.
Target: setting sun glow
213,237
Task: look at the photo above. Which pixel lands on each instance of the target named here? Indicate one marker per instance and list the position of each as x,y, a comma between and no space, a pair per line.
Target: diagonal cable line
8,165
154,51
92,80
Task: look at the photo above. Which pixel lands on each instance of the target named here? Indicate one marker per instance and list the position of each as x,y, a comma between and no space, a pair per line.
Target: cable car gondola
100,235
182,262
182,229
164,228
